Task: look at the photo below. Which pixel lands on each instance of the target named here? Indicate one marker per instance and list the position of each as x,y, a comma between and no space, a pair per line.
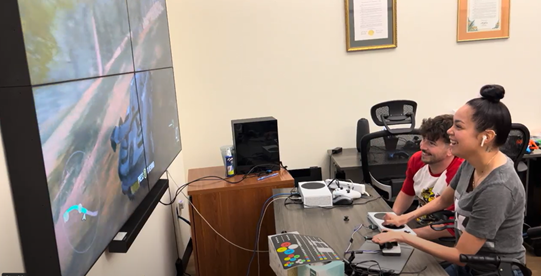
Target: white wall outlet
180,205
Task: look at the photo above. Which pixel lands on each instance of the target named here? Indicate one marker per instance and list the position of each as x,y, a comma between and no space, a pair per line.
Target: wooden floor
534,263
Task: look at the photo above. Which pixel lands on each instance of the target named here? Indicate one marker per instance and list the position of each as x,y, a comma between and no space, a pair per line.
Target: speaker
256,145
362,129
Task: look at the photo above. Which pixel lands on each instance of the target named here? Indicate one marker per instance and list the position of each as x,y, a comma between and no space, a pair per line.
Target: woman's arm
438,204
467,244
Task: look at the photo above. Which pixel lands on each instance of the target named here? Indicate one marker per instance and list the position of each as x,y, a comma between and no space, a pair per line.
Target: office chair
504,264
384,159
517,143
397,112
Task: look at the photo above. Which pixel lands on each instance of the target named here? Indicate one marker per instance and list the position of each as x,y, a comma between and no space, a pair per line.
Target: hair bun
493,92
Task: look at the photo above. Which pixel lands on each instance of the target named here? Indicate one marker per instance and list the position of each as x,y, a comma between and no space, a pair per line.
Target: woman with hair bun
488,195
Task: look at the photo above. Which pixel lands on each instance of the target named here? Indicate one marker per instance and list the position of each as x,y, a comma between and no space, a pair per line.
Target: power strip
337,184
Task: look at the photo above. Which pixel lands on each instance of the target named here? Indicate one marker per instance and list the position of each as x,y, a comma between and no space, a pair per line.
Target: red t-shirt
425,185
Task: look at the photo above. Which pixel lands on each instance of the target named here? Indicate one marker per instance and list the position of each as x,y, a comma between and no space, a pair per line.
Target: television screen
150,34
156,90
74,39
92,142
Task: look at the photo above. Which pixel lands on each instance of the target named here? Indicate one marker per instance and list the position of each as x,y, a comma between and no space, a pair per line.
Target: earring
484,139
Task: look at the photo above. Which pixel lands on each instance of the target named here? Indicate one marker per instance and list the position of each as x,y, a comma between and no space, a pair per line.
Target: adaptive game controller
390,249
381,216
377,218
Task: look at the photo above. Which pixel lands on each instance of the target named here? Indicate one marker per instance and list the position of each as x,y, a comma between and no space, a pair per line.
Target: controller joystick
388,245
392,226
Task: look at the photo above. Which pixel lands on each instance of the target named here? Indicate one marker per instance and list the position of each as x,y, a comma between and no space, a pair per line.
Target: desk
533,192
535,154
348,162
233,210
329,225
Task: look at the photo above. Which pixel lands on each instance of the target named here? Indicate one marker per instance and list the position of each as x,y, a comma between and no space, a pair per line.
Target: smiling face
434,151
465,139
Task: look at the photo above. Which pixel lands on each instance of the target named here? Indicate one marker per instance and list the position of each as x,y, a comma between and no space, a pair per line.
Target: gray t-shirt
494,211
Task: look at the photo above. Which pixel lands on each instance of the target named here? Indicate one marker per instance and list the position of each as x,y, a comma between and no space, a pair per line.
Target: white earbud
484,139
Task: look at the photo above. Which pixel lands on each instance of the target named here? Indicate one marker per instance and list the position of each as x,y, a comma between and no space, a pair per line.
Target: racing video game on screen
83,55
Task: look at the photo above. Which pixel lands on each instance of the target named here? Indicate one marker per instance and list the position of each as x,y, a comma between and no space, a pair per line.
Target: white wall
244,58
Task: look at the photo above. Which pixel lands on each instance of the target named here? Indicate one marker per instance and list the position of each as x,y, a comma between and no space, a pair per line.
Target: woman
489,196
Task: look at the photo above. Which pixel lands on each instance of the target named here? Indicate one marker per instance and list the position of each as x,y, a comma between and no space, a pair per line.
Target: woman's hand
388,236
392,219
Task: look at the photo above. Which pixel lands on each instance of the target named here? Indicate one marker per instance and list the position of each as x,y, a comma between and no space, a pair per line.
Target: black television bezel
22,147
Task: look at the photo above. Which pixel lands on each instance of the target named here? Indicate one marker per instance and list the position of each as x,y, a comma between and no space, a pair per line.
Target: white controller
340,184
346,192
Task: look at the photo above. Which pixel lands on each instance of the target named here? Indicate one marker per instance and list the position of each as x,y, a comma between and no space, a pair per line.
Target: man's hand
395,220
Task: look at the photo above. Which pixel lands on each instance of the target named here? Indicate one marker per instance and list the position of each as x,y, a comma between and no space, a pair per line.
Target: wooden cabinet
233,210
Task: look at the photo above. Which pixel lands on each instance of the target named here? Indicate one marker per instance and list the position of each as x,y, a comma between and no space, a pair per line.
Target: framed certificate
483,19
370,24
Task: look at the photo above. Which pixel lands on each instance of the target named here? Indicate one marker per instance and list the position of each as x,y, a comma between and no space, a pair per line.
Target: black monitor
89,121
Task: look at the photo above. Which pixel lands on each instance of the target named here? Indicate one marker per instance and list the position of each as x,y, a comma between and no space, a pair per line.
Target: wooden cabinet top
283,179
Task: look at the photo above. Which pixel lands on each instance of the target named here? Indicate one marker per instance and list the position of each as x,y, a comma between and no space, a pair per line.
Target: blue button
289,251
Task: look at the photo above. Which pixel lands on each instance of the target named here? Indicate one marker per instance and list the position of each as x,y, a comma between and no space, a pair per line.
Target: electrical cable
415,272
368,200
259,232
214,177
355,230
257,229
213,229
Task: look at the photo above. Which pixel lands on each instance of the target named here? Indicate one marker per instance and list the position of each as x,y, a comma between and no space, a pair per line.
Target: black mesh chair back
517,143
397,112
384,159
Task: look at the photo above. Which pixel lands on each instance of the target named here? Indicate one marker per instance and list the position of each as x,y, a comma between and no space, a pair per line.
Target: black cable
334,206
415,272
366,271
174,225
185,220
367,201
214,177
330,165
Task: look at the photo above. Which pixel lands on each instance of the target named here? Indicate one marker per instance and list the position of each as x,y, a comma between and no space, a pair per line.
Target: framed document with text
370,24
483,19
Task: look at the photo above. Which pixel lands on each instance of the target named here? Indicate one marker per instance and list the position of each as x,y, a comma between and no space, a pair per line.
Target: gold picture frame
381,32
493,23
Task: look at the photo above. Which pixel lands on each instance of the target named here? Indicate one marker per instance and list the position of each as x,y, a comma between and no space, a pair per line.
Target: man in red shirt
429,171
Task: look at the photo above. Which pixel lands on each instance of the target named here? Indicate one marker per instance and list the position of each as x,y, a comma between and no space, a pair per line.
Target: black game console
256,146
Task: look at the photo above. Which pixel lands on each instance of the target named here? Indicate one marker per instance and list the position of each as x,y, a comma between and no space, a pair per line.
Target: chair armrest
534,233
444,227
505,265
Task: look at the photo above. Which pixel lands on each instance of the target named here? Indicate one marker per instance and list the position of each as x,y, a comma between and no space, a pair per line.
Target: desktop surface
534,154
213,185
331,226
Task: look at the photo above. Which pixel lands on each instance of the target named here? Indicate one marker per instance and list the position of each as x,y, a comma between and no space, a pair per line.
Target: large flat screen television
91,126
